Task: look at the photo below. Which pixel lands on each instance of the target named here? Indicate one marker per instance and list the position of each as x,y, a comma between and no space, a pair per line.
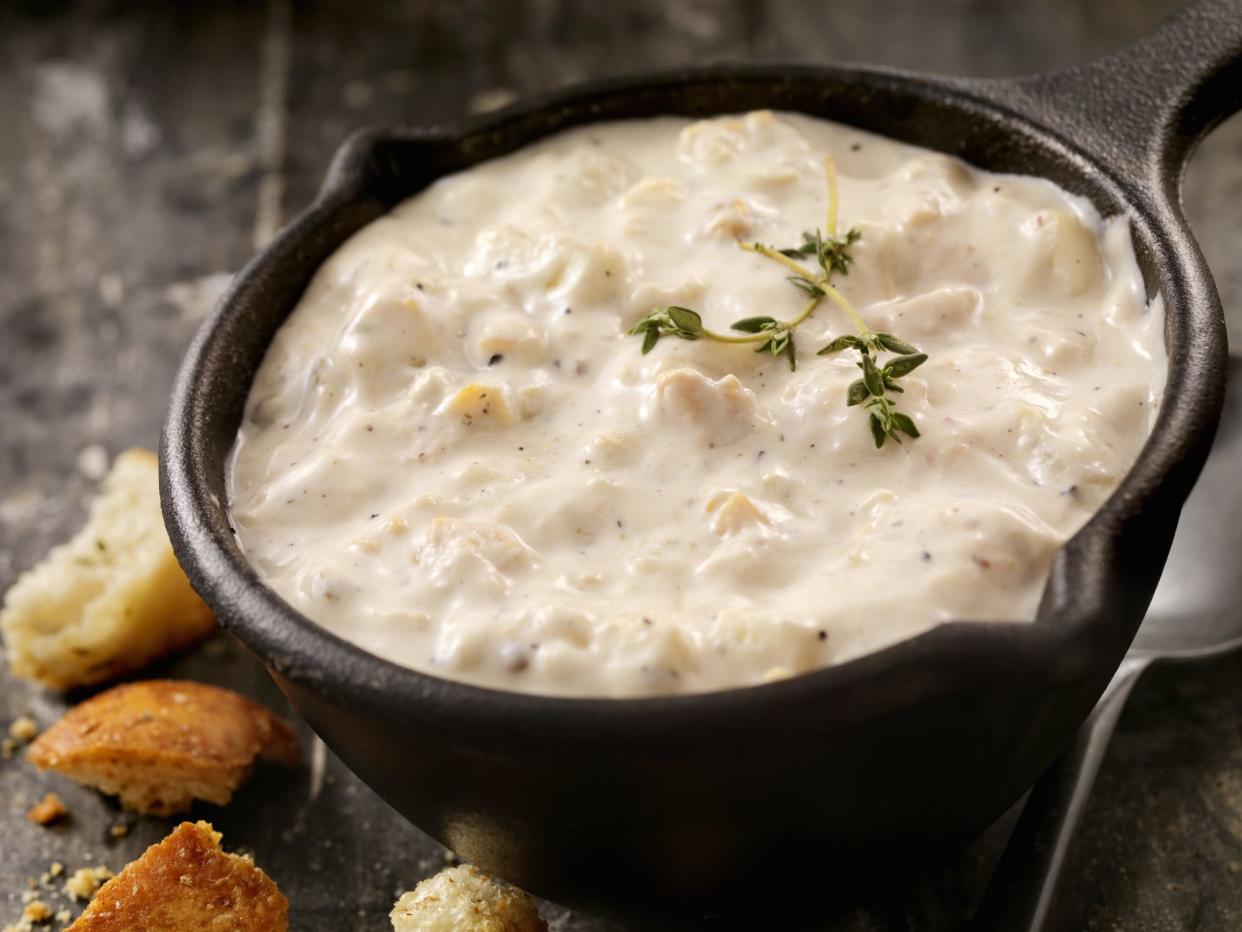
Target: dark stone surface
140,141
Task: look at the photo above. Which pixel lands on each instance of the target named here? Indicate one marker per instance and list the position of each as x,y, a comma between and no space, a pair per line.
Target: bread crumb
8,747
460,898
160,744
51,808
113,598
24,729
120,830
36,911
224,891
93,462
85,882
56,869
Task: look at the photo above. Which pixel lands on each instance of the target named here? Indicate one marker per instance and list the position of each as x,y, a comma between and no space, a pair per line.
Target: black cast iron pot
686,802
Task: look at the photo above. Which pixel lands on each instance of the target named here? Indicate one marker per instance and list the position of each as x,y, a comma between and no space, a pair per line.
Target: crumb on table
24,729
83,883
51,808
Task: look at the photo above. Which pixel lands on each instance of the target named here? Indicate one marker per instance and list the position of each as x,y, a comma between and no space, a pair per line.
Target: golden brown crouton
51,808
465,898
186,883
159,744
113,598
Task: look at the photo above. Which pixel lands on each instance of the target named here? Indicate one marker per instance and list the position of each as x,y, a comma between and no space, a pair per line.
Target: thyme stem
842,302
830,167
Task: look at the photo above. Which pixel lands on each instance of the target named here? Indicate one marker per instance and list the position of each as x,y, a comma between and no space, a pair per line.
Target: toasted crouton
186,883
159,744
461,898
112,599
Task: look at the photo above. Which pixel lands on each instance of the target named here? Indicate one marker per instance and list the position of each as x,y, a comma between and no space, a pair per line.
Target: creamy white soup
456,456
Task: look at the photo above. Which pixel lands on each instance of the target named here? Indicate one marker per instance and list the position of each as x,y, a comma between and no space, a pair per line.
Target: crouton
112,599
186,883
465,898
159,744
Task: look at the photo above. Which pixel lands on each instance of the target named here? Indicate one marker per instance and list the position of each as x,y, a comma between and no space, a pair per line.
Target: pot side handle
1145,108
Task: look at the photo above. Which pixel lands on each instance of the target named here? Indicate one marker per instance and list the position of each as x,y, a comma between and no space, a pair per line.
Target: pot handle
1022,895
1145,108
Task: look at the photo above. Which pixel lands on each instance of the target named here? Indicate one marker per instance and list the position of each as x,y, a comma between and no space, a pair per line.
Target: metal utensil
1196,613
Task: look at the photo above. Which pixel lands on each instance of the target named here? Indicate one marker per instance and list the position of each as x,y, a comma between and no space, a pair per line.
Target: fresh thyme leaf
871,376
846,342
685,320
857,393
894,345
780,340
904,365
905,424
754,324
669,320
878,432
808,286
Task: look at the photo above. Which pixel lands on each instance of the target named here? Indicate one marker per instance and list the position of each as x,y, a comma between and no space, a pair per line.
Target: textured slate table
147,147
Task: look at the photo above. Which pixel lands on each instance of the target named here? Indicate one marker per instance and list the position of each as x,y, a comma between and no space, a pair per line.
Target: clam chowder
456,456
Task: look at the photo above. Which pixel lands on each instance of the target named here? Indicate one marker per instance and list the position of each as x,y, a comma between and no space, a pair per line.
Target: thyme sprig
871,391
775,336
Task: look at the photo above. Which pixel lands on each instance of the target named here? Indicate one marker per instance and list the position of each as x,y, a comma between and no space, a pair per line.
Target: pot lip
1070,640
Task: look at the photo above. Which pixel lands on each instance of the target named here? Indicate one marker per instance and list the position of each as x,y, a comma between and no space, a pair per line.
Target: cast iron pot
685,802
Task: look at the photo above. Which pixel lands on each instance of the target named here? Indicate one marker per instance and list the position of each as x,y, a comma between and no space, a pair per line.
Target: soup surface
456,456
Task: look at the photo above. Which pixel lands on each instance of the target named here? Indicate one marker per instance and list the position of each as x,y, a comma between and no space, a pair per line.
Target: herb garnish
770,335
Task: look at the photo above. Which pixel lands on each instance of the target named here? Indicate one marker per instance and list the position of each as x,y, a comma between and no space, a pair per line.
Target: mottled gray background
146,147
